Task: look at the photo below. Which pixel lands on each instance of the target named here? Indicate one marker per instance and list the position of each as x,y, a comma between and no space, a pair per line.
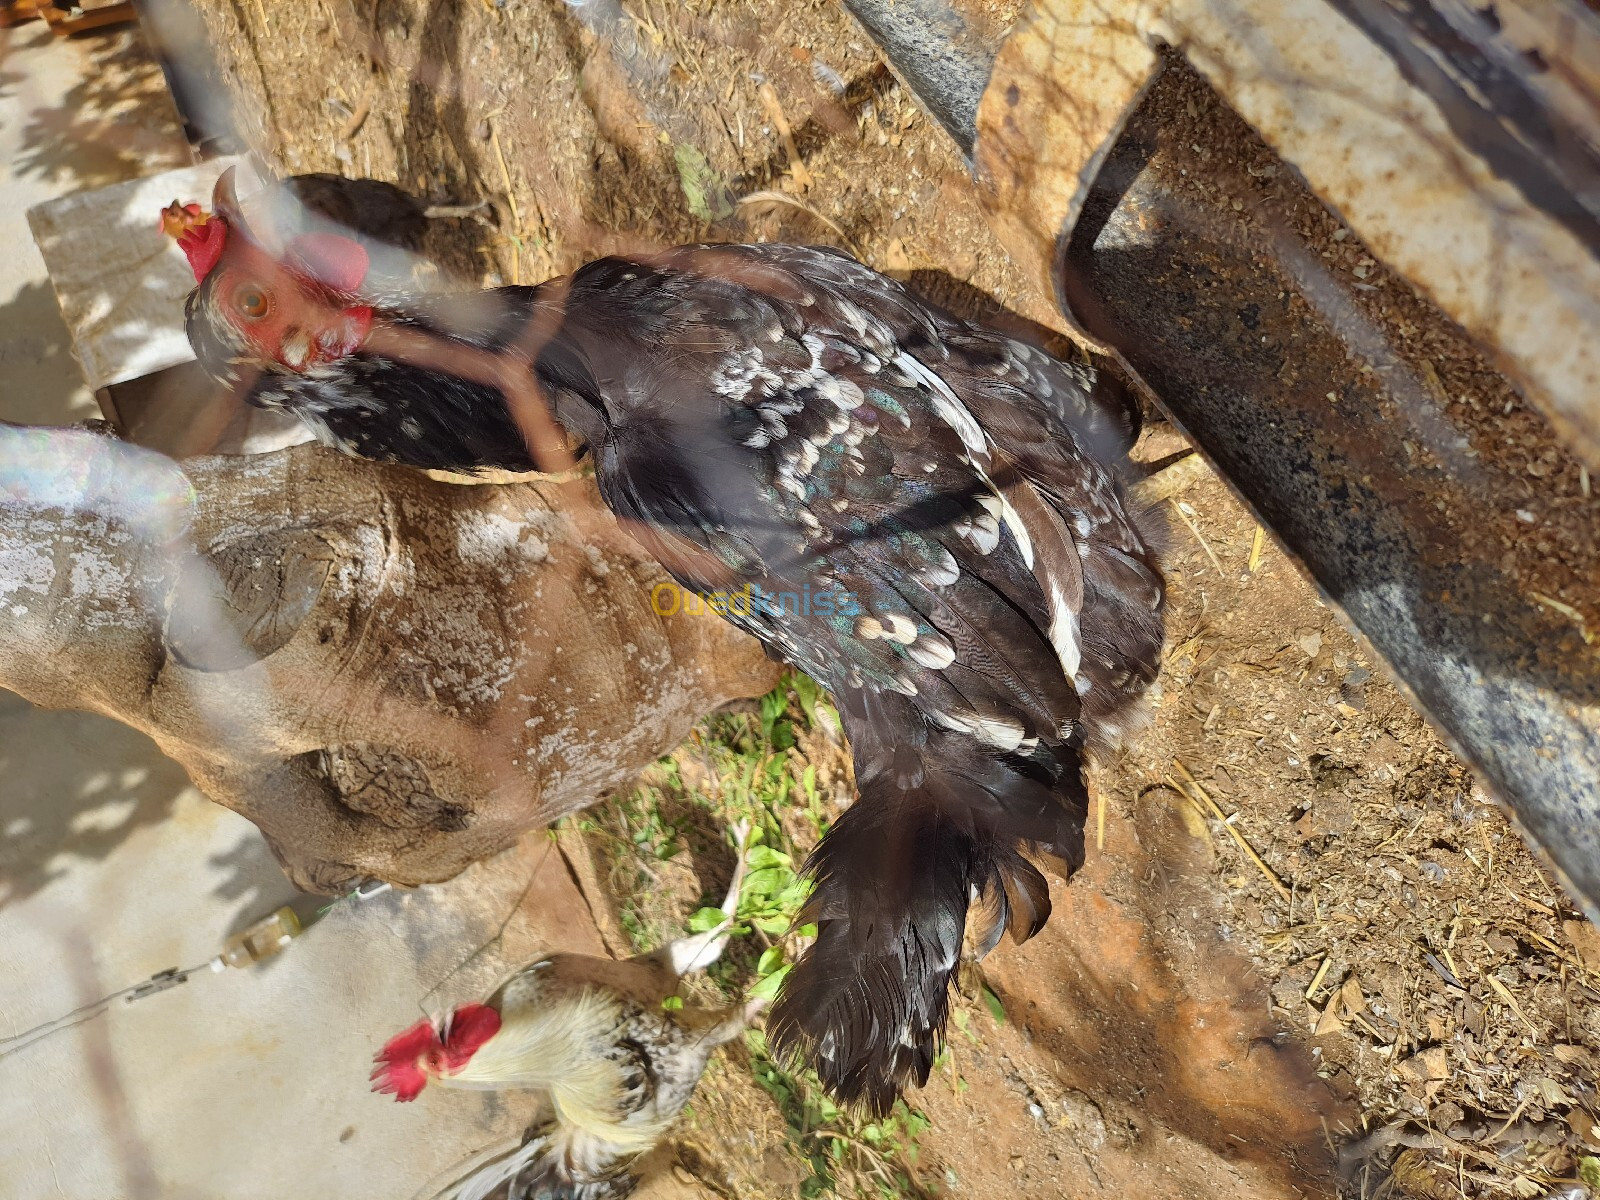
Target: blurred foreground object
392,677
1422,440
388,222
612,1050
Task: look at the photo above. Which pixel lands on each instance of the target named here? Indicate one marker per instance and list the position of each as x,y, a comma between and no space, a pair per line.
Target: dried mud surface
1402,954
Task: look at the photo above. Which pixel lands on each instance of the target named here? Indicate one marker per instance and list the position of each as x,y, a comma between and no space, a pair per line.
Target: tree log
391,676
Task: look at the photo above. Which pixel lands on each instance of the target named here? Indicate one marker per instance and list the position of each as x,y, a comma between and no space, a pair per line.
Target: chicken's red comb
398,1072
200,236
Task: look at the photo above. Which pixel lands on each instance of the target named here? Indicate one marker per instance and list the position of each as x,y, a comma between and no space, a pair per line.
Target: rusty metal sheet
1518,83
1045,131
942,54
1382,152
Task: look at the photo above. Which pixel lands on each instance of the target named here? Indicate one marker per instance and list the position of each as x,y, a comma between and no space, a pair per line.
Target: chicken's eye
252,302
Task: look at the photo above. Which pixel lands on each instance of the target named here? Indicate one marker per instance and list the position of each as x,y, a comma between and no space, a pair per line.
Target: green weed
747,767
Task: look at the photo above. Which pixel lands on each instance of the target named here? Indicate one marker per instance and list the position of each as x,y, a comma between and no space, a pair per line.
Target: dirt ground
1365,921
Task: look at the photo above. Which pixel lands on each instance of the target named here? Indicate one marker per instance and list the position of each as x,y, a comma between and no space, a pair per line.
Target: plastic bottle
260,941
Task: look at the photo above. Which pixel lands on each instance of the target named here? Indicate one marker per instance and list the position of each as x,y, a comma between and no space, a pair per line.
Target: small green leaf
1589,1171
770,961
768,881
762,857
772,707
808,930
767,987
794,895
996,1009
771,926
706,918
672,1004
806,691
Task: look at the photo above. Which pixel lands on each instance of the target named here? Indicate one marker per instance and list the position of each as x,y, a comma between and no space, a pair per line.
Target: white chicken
614,1060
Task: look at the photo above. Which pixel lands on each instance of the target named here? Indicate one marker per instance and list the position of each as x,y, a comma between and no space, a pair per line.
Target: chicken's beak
342,336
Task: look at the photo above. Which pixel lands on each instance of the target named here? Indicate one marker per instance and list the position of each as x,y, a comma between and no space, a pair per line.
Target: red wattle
470,1027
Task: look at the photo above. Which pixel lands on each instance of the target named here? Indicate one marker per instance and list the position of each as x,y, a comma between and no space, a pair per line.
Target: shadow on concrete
75,785
78,785
11,79
255,885
43,385
116,122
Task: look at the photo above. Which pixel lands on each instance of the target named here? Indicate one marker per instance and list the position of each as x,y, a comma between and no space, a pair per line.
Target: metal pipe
933,49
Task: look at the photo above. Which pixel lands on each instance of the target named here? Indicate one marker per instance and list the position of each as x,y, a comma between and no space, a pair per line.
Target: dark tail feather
866,1005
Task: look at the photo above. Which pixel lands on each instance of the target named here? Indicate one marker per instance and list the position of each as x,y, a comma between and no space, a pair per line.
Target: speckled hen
922,513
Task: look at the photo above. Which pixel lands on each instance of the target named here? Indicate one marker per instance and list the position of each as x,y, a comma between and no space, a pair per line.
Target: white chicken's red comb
399,1072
